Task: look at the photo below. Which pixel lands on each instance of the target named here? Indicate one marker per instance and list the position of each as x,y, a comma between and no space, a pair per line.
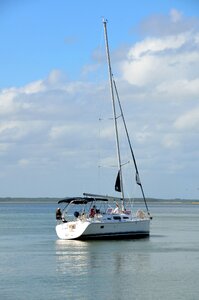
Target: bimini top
80,200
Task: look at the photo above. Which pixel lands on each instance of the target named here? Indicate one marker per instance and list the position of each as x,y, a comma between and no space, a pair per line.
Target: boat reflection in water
82,260
71,256
95,269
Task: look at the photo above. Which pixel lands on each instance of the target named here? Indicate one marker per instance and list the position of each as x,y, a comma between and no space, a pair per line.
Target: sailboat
95,216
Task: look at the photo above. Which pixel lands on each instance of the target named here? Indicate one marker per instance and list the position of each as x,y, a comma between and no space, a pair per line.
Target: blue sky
38,36
53,80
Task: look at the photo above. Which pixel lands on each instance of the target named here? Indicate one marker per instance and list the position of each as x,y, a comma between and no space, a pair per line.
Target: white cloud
12,131
188,120
180,89
155,45
70,130
154,61
164,25
7,104
33,88
143,135
107,133
3,148
175,15
50,128
24,162
170,141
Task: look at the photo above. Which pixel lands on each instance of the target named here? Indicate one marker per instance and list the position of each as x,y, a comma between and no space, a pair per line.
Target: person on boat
58,214
92,212
116,210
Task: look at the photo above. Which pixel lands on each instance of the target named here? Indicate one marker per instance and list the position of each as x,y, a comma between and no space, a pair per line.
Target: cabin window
101,226
108,218
117,218
125,218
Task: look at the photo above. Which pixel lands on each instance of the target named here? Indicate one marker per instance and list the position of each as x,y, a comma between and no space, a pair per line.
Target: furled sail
118,183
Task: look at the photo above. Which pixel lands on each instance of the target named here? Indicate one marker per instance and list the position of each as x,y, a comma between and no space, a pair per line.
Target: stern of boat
71,230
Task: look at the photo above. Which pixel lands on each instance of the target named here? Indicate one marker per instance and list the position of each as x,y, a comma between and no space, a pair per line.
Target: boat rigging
93,216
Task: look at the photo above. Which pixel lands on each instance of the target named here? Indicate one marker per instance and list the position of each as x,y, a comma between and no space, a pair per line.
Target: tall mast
114,110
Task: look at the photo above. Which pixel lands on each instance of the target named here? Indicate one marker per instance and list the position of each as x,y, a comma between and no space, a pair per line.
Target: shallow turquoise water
34,264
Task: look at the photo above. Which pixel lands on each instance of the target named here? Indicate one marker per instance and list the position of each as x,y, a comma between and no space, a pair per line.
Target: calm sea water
34,264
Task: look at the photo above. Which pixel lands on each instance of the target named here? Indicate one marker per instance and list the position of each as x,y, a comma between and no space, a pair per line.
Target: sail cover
118,183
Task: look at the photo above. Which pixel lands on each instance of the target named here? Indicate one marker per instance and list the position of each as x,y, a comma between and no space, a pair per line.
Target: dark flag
137,178
117,183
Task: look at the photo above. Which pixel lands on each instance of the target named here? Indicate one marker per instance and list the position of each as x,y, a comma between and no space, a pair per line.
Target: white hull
135,228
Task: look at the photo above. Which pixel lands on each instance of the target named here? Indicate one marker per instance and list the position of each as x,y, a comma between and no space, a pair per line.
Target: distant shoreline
48,200
28,200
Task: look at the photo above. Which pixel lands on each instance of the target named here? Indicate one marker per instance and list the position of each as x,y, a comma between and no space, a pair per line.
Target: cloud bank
49,129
